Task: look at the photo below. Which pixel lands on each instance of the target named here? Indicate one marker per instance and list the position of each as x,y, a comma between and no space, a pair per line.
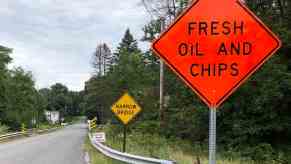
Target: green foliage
128,44
20,98
129,74
3,129
261,153
151,30
4,61
59,98
20,102
4,57
158,146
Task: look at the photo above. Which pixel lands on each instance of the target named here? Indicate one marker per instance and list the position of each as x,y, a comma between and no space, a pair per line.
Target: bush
261,153
3,129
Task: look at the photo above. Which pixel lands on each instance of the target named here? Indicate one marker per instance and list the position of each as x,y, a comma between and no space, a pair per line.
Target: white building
53,116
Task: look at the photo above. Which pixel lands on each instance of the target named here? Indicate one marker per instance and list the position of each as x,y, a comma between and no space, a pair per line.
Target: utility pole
162,112
163,17
100,60
163,27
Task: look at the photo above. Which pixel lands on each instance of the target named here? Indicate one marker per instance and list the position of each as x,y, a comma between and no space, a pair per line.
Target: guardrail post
89,126
92,123
23,128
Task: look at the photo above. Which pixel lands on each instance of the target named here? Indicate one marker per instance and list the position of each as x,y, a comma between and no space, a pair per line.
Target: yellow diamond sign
126,108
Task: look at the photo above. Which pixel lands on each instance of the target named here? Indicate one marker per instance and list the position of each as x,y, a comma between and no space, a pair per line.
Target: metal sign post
212,135
124,138
125,109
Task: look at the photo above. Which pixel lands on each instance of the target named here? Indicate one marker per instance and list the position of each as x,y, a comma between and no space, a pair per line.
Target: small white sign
99,137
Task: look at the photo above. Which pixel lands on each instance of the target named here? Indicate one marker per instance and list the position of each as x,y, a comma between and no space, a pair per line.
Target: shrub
3,129
261,153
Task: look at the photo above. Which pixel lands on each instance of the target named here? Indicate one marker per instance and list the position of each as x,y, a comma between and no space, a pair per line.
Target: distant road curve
60,147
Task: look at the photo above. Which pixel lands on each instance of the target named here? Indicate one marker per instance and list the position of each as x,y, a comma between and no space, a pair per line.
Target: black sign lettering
239,48
193,71
216,28
227,48
219,69
185,49
234,69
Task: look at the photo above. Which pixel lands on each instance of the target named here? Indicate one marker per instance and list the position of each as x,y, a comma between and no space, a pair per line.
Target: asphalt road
60,147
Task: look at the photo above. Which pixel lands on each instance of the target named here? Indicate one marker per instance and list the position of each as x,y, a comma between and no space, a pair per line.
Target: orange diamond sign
214,46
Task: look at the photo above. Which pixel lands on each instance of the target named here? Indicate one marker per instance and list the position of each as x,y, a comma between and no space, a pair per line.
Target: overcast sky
55,39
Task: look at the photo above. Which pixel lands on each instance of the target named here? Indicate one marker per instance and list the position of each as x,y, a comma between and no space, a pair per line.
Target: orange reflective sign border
214,46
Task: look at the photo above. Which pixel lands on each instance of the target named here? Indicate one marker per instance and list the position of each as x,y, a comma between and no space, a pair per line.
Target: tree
21,102
59,99
4,61
4,57
75,108
103,59
125,75
162,11
128,44
20,99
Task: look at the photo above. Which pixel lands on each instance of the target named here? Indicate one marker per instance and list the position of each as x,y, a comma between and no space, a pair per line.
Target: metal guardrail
125,157
28,132
11,135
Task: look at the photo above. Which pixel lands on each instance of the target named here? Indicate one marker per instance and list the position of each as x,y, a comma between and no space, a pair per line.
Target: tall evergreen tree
128,44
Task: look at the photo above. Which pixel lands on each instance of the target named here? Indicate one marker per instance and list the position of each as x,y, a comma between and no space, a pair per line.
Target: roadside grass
155,146
47,126
95,156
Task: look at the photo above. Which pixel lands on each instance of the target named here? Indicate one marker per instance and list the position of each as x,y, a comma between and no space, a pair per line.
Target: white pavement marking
87,158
